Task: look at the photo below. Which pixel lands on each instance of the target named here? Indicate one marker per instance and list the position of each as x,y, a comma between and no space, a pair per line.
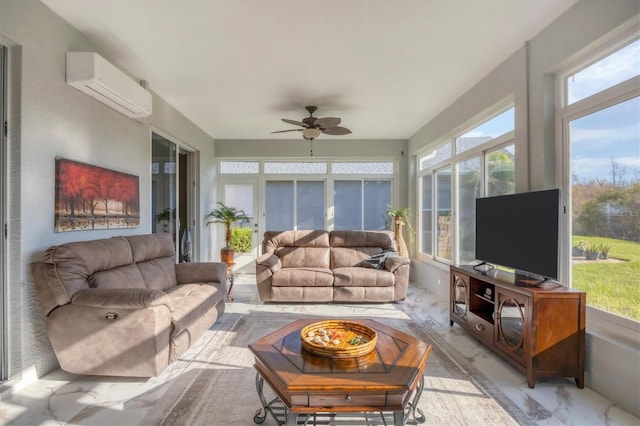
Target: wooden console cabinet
540,330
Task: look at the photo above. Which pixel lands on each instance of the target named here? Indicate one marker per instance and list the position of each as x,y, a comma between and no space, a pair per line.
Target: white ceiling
235,67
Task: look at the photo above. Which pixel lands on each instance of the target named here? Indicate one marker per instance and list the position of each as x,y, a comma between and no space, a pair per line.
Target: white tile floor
52,400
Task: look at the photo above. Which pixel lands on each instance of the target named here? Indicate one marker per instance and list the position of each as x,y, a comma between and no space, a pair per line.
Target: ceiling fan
312,127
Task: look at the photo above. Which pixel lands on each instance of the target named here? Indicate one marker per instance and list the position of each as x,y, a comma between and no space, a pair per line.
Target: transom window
289,168
604,73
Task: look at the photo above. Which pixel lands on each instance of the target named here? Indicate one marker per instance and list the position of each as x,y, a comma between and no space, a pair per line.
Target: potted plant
604,251
578,249
592,250
400,218
167,218
227,216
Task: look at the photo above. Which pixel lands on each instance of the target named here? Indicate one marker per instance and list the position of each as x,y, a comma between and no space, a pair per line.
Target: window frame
329,178
598,320
497,143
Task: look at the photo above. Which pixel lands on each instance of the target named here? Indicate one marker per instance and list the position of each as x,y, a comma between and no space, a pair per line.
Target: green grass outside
611,286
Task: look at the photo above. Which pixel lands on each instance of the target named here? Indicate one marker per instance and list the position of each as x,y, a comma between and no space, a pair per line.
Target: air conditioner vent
93,75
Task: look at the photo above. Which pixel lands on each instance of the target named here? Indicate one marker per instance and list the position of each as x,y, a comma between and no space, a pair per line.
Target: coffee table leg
398,418
413,405
230,279
261,414
280,412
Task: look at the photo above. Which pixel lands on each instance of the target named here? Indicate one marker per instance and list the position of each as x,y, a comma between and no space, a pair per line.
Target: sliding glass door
173,184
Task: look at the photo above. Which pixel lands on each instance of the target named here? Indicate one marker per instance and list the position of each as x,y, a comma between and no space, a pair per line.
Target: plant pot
604,256
592,255
400,243
577,252
227,255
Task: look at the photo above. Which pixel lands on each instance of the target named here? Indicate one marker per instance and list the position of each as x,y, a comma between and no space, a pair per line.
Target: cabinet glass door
460,297
511,321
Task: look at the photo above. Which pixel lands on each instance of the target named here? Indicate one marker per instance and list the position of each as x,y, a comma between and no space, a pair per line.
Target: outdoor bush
241,239
614,213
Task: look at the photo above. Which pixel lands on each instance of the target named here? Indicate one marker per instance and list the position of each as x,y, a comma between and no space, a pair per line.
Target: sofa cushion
351,256
123,277
75,262
363,294
159,273
303,277
293,257
151,246
381,239
192,302
362,277
274,239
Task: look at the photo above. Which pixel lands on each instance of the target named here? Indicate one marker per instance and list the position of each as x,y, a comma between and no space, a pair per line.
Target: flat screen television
520,231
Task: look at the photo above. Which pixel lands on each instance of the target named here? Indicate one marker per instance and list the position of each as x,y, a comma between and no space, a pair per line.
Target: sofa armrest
270,261
201,272
394,262
124,298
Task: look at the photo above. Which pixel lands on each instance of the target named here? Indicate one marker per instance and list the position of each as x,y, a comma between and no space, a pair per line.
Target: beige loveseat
122,307
322,266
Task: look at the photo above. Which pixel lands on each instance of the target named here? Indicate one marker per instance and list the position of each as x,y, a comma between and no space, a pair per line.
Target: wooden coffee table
389,379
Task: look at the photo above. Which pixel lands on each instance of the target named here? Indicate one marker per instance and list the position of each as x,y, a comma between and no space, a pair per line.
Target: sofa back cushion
298,248
127,276
141,261
349,248
154,256
66,268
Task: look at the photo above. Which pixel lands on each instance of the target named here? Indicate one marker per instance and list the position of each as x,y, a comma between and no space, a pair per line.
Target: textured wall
50,119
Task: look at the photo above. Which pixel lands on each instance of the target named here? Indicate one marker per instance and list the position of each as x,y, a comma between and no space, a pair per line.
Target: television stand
484,267
540,330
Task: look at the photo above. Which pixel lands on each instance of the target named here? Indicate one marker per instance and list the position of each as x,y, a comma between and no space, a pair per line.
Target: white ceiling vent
92,74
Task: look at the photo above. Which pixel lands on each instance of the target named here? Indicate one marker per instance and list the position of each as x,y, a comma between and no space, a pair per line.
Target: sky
608,135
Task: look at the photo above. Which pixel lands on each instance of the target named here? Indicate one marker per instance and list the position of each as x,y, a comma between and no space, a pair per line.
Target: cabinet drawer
480,328
345,399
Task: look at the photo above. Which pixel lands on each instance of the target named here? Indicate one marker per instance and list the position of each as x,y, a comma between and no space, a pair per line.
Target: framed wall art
91,197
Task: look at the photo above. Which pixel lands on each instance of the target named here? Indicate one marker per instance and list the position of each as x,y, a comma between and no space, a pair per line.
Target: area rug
219,386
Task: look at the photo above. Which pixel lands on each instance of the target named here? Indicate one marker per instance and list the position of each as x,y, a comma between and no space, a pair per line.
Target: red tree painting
90,197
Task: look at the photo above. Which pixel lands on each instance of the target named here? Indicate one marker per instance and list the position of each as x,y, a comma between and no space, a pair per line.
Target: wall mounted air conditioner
93,75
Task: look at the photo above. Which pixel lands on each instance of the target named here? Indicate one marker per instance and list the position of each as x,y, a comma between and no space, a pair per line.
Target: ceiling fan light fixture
311,133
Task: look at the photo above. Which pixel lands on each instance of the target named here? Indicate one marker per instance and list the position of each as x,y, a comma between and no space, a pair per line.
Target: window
310,205
444,224
469,177
436,156
279,205
239,167
501,174
490,129
294,204
361,204
377,199
363,168
305,168
294,193
602,175
478,163
619,66
426,216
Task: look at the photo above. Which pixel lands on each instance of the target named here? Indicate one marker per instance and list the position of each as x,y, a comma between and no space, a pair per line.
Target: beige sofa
322,266
122,307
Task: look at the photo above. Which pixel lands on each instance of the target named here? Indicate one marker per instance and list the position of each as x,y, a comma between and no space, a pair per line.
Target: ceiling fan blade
336,131
327,122
294,122
291,130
